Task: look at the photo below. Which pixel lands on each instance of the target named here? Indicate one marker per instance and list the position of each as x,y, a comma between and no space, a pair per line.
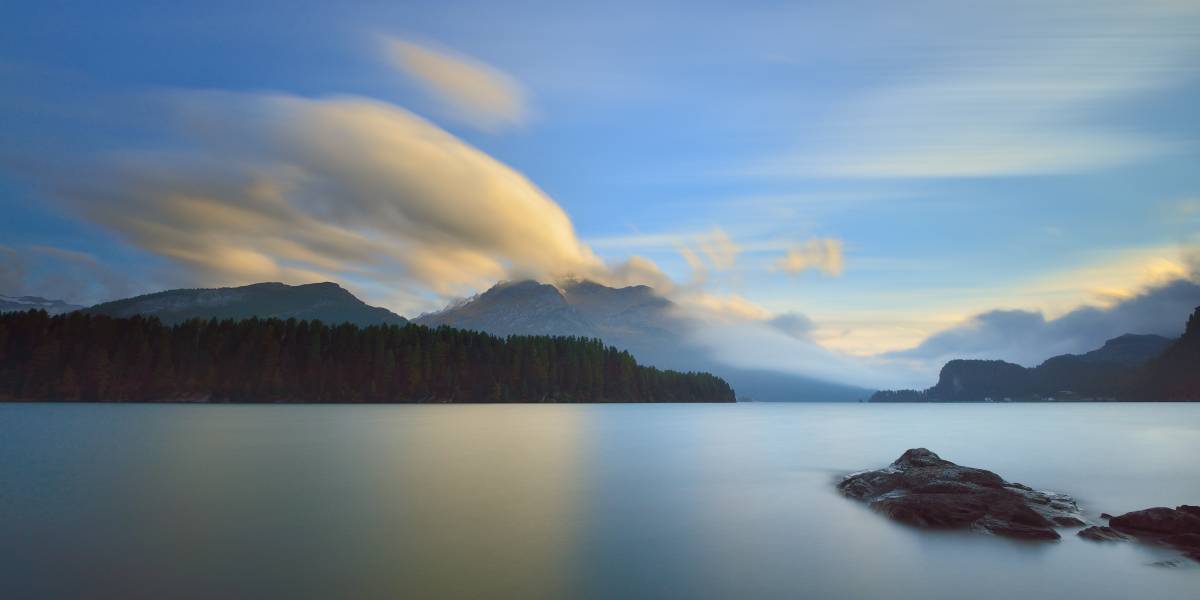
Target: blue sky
888,170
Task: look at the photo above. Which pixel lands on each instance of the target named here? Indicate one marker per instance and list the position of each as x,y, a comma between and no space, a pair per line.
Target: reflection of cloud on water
492,492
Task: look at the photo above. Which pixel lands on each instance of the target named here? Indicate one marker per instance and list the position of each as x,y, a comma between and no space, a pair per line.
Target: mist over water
548,501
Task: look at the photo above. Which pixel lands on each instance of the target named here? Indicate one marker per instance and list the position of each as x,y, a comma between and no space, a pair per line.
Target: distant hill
633,318
326,302
1133,367
23,303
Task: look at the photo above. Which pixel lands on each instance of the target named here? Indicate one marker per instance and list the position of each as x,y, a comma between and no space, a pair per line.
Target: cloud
714,249
824,254
278,187
635,270
712,308
1028,337
694,262
794,324
1008,89
12,272
474,92
766,344
719,248
59,274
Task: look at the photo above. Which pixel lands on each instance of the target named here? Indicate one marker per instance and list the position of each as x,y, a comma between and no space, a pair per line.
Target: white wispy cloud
1009,89
474,92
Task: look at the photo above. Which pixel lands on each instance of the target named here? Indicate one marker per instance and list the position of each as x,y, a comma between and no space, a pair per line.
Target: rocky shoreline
922,489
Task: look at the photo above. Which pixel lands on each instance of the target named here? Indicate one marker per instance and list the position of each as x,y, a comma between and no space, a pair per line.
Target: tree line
96,358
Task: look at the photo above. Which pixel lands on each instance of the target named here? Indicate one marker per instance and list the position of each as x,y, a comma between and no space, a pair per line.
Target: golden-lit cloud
719,248
713,249
635,270
1102,281
474,92
823,254
728,308
293,189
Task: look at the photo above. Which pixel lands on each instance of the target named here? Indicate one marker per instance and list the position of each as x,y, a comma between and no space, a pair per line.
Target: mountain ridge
23,303
633,318
1129,366
323,301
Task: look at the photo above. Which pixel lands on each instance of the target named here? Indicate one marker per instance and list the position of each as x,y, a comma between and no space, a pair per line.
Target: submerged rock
922,489
1102,534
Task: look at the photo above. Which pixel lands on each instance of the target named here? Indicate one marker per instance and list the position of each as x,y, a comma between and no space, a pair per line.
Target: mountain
23,303
633,318
327,302
1175,374
966,380
515,308
1135,367
1100,373
1128,350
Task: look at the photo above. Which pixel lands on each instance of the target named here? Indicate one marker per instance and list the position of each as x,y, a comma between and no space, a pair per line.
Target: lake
563,501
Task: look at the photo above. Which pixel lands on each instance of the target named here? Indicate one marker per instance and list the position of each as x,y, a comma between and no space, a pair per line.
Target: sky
886,184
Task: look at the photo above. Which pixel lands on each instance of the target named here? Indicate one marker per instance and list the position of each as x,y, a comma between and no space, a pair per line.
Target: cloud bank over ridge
296,189
1028,337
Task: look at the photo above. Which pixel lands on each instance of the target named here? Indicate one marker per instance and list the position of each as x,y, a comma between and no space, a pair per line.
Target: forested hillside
89,357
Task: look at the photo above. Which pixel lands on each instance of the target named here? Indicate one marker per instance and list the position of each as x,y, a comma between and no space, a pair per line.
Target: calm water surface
546,501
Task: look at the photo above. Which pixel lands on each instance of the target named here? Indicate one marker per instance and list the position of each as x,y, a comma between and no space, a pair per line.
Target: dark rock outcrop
1177,527
1160,520
922,489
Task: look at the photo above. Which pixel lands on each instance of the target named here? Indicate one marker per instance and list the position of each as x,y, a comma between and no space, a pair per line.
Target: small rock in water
1168,564
1100,533
922,489
1178,528
1068,522
1160,519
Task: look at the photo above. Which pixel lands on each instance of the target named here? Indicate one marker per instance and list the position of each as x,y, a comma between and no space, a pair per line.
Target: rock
1100,533
1105,516
922,489
1191,510
1068,522
1178,528
1159,519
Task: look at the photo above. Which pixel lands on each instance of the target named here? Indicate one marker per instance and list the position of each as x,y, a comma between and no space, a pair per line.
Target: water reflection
531,501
